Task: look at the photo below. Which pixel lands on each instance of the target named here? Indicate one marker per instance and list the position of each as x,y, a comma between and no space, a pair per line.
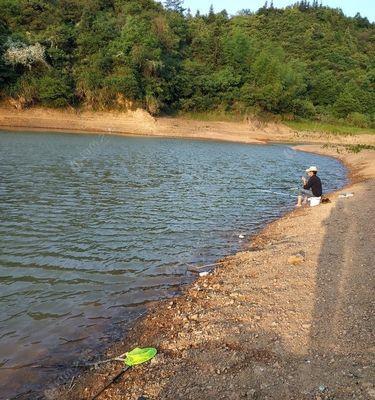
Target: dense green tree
347,102
324,87
275,82
54,90
5,71
238,51
305,60
174,5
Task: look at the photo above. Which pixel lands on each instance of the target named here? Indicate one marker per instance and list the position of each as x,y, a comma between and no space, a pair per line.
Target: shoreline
140,123
86,384
181,328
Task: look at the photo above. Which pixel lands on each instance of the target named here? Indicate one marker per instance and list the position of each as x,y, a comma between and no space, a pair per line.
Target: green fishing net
139,356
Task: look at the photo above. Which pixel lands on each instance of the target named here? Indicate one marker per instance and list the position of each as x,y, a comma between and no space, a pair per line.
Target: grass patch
300,125
350,148
335,129
212,116
357,148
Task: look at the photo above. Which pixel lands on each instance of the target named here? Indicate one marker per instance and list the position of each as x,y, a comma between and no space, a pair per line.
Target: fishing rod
280,193
275,191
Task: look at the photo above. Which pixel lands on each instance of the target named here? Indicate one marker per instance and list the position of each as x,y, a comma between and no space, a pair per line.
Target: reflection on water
93,228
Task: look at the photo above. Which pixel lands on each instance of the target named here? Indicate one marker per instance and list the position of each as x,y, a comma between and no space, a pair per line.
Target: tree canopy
305,60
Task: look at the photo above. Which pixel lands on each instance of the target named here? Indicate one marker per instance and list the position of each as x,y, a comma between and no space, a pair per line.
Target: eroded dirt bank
292,318
141,123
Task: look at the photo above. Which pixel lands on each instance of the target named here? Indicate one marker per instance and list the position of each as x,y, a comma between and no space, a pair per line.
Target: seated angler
311,187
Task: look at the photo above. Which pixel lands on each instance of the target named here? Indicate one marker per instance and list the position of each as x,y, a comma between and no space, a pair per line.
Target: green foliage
275,83
324,87
358,119
238,50
174,5
338,127
347,102
26,87
54,90
303,108
4,71
304,61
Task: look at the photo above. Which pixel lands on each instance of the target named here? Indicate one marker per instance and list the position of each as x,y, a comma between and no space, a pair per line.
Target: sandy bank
141,123
291,318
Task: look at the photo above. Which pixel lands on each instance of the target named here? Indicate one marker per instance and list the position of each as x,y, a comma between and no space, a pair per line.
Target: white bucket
314,201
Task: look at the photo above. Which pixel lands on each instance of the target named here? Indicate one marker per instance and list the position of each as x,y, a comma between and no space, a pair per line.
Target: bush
346,103
25,89
303,108
54,90
358,119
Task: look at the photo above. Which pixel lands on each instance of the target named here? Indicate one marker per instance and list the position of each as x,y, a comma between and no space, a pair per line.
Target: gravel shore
291,318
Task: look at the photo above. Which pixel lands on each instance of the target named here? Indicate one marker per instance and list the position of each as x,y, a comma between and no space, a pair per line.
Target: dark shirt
314,183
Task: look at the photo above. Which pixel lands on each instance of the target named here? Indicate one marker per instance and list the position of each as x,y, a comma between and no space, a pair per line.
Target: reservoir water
93,228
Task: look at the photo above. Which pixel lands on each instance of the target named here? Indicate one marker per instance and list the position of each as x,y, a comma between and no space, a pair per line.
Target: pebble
322,388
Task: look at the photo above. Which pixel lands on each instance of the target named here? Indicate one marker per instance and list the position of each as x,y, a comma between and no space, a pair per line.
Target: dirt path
292,318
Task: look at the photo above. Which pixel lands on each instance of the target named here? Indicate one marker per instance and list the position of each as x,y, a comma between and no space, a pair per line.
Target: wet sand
291,318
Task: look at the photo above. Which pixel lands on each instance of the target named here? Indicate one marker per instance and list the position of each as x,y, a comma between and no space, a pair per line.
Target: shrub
54,90
303,108
358,119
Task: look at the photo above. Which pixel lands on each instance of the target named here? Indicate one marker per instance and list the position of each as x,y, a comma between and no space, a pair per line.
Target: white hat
312,169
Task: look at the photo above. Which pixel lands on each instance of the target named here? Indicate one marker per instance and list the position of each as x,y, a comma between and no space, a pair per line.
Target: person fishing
311,187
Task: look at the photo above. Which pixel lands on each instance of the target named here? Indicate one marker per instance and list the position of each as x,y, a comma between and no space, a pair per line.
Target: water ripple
93,229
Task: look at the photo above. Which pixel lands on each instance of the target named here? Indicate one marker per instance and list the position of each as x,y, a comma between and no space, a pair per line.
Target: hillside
304,61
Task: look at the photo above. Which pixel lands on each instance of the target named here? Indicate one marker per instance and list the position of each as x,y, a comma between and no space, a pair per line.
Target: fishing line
279,193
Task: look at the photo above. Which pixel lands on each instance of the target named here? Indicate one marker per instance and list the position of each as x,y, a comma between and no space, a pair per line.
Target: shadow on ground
338,363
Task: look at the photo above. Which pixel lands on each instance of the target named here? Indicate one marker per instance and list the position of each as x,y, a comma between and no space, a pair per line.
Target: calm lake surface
92,228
